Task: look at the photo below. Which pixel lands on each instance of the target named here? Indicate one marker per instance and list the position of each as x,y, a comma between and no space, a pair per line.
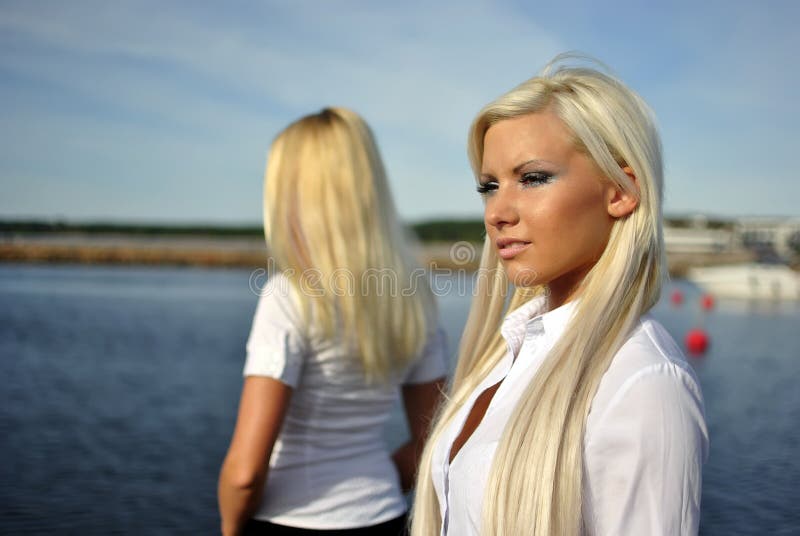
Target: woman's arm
244,471
420,401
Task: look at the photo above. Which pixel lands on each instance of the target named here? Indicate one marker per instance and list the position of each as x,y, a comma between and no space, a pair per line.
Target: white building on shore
764,235
780,234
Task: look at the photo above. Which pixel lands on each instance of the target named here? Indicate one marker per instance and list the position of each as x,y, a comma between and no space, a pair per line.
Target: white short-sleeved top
645,439
330,467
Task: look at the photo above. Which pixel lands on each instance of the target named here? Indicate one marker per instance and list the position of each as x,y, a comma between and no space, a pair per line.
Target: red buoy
676,297
697,341
707,302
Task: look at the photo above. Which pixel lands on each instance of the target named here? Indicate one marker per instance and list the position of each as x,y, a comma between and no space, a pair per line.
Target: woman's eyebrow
518,168
522,165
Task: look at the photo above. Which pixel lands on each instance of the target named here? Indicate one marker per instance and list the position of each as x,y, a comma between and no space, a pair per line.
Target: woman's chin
523,277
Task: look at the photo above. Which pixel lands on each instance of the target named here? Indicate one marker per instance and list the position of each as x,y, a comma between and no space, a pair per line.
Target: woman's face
547,205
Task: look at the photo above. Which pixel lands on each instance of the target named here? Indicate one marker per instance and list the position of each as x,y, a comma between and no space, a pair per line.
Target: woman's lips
508,249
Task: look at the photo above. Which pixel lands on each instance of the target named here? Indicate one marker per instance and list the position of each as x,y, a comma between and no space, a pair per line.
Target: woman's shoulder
277,345
649,349
278,309
276,284
276,295
649,371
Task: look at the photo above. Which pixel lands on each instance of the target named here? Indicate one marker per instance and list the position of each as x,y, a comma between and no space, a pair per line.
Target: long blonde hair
536,478
331,227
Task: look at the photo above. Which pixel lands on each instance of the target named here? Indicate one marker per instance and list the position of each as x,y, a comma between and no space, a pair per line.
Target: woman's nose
501,209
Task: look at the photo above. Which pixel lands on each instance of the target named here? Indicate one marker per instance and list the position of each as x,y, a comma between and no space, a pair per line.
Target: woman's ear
620,202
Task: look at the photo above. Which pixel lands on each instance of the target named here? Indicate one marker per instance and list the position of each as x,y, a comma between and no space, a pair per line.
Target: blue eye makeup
535,178
527,180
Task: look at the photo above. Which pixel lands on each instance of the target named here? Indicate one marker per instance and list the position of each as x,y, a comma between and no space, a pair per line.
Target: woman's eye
535,178
485,188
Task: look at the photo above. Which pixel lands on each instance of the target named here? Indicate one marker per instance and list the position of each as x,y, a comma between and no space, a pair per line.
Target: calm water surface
120,388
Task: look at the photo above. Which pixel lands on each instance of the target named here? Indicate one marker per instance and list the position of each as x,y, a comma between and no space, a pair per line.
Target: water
120,388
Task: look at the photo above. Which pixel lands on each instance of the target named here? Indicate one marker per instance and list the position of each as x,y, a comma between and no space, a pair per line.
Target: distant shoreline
242,252
207,251
74,254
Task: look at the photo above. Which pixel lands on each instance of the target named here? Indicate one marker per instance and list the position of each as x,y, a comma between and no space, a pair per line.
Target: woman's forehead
539,136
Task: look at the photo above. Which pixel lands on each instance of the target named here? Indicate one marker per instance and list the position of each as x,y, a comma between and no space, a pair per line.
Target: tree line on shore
428,231
444,230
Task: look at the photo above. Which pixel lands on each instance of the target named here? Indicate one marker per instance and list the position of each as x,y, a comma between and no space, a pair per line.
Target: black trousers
394,527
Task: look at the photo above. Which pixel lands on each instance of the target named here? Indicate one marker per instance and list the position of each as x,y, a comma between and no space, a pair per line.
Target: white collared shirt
330,468
645,439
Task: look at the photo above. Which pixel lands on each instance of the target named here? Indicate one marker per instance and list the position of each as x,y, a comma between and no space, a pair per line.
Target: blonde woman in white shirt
344,324
571,410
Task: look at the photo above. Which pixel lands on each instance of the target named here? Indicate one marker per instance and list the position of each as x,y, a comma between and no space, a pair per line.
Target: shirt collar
530,313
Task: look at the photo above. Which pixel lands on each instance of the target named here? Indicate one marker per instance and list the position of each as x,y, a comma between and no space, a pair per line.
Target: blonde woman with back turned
338,330
571,411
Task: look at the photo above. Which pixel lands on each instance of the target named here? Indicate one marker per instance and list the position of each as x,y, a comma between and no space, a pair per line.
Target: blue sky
154,111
